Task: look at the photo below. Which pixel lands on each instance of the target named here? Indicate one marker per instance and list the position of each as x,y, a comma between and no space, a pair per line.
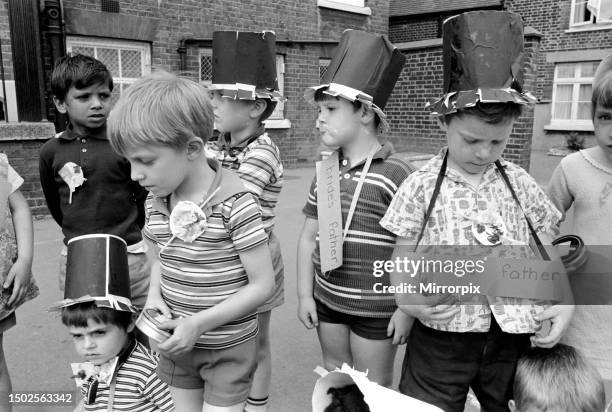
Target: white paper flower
72,174
187,221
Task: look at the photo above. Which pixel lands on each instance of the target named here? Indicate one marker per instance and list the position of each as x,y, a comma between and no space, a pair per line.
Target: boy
86,185
356,324
244,93
118,373
211,266
558,379
452,347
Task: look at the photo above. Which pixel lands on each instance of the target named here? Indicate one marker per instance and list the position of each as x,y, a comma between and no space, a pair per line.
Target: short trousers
439,367
225,374
367,328
140,276
8,322
278,297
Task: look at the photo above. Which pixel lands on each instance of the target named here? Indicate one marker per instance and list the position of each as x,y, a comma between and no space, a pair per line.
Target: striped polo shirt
199,275
257,161
350,288
137,386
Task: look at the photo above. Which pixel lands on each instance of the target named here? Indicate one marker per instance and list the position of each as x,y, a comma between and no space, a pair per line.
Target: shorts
278,297
8,322
225,374
140,276
367,328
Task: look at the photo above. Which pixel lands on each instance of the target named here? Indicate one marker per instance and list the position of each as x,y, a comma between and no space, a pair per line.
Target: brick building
133,37
564,44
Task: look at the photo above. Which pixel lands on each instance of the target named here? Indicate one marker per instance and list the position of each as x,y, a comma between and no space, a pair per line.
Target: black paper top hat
244,65
97,271
365,67
603,69
483,61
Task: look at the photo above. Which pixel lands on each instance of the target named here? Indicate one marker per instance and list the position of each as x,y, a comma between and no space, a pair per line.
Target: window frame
350,6
573,123
143,47
586,24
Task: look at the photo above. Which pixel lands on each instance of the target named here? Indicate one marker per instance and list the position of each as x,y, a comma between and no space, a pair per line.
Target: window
206,78
572,89
127,61
351,6
323,65
590,12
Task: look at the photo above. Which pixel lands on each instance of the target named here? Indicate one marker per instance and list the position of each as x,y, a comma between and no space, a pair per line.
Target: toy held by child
118,372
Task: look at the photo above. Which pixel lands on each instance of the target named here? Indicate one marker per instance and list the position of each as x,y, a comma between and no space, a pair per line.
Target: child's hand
435,313
307,312
155,301
18,276
560,317
399,327
186,333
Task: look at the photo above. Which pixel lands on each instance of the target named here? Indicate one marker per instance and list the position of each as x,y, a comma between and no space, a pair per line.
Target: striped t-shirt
258,164
350,288
137,386
199,275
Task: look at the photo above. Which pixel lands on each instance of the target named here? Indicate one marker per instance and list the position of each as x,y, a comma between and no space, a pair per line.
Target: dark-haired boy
87,186
458,198
118,372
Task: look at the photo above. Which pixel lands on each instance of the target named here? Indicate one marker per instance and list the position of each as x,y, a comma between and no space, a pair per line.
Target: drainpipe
53,27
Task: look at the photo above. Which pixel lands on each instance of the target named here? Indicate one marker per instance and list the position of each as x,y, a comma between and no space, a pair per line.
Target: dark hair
492,113
78,71
602,93
78,315
320,96
558,379
270,106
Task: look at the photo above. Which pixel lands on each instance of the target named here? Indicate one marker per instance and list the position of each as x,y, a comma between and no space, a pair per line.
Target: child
119,372
211,262
453,347
558,379
584,180
244,93
356,325
87,186
16,246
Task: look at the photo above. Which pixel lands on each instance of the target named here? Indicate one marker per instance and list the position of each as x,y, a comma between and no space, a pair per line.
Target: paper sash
329,211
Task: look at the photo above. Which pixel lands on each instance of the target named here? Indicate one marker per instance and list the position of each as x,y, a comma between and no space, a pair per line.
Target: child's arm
307,309
259,167
49,186
154,297
22,268
558,190
258,266
158,393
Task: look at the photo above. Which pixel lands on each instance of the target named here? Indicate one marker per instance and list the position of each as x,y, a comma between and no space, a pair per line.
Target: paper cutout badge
72,174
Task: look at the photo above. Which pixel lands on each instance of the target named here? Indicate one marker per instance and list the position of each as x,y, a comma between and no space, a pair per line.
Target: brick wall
5,38
420,28
414,129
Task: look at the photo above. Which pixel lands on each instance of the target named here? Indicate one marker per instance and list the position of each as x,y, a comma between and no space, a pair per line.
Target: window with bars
590,12
572,89
206,78
323,65
127,61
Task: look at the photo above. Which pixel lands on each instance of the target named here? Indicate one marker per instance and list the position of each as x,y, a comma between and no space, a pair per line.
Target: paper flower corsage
187,221
72,174
489,229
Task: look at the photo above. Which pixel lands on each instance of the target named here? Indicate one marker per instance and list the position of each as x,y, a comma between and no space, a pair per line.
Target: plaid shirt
455,211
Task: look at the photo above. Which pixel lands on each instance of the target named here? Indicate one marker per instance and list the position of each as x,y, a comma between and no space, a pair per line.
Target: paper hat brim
451,102
240,91
109,301
350,94
378,398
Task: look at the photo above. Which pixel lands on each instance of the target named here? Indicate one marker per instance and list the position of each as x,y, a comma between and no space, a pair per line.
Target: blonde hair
558,379
602,93
160,109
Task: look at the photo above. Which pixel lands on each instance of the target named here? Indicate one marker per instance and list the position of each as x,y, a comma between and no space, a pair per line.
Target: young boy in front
476,344
117,372
87,186
211,265
244,93
558,379
357,322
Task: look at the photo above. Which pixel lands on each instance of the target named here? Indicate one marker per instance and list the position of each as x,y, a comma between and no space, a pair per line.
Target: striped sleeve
310,209
146,230
244,222
158,393
260,166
